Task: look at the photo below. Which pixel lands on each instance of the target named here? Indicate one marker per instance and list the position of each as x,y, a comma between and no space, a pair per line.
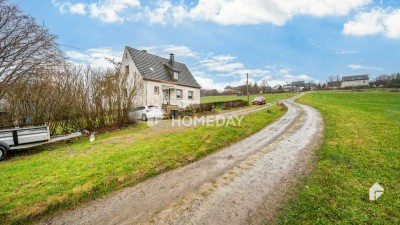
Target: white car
146,112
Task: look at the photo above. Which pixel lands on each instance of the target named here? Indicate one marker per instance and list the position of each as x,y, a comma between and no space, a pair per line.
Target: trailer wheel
4,148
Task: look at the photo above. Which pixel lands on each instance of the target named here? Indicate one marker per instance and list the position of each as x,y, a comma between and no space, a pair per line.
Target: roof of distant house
157,68
356,77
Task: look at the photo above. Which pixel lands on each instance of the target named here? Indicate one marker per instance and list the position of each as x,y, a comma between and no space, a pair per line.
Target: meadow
268,97
361,147
44,180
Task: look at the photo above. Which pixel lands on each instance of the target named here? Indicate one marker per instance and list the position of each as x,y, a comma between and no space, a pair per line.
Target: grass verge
268,97
361,147
64,175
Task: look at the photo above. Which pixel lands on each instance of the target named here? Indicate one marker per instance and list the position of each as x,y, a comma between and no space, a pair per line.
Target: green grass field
361,146
268,97
60,176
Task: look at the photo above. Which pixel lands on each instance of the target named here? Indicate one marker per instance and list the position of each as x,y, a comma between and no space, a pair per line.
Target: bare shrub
72,98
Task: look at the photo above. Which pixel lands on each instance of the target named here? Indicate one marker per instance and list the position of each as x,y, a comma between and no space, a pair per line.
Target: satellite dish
151,69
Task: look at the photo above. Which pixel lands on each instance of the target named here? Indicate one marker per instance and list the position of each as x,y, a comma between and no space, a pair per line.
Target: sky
279,41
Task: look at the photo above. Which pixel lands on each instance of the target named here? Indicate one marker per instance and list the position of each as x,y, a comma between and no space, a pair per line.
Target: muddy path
240,184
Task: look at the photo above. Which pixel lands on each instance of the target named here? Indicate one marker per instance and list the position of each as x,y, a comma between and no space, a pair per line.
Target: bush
208,107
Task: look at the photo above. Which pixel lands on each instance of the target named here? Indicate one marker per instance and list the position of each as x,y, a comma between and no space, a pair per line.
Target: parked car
146,112
259,100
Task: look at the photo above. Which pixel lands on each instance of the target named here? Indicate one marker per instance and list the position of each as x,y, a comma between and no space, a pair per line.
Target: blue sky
221,40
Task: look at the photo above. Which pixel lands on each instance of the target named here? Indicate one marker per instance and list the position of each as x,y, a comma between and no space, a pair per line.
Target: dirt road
240,184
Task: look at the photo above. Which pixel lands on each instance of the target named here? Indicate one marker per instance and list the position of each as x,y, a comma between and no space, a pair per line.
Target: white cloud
95,57
345,51
68,7
362,67
180,50
239,12
165,50
376,21
78,8
225,12
221,64
109,10
160,14
228,66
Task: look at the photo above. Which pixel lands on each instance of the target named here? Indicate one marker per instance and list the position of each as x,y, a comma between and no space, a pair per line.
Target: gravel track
226,187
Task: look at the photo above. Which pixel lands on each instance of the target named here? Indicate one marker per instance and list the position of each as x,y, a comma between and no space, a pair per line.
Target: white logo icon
153,122
375,192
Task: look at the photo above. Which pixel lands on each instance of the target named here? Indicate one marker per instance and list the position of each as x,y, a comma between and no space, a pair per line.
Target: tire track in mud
226,187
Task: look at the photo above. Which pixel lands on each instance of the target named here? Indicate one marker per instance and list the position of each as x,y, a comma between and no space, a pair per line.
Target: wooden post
247,87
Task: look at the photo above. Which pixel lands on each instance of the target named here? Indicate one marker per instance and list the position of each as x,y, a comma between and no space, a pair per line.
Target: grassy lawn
268,97
361,146
63,175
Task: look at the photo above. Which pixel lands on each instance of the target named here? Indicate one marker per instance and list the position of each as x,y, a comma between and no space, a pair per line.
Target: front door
166,96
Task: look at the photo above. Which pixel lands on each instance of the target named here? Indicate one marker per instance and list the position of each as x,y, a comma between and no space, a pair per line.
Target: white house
355,81
166,82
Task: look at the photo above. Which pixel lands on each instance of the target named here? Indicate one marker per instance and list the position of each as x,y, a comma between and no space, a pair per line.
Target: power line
88,50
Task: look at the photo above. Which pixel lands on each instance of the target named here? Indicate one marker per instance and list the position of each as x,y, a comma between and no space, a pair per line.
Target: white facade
159,92
355,83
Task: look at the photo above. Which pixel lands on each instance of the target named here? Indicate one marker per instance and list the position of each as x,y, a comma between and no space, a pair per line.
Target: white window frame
179,90
127,70
190,95
176,75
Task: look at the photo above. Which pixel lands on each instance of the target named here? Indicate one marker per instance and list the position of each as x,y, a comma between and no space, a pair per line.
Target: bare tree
26,48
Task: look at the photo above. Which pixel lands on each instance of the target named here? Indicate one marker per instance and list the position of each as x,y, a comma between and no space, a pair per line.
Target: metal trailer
28,137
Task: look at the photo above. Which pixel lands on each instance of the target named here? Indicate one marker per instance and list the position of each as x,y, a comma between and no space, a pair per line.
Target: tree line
38,85
386,80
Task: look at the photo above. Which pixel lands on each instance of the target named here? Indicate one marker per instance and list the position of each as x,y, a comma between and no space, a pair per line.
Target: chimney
171,59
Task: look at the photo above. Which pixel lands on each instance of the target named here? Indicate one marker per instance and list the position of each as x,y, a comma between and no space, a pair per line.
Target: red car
259,100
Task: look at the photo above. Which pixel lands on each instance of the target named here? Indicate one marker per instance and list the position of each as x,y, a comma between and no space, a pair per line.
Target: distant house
299,86
298,83
165,81
229,89
355,81
232,90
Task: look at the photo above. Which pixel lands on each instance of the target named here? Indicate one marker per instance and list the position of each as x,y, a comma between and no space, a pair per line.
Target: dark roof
298,83
161,68
357,77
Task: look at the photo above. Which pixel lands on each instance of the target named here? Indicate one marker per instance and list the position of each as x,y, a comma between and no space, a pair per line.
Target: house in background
232,90
299,86
166,83
355,81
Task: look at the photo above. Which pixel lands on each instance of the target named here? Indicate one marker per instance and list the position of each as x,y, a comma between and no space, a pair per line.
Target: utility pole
247,87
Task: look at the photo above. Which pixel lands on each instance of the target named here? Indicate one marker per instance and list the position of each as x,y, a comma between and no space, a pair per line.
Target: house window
126,70
176,75
179,94
156,90
126,55
190,95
